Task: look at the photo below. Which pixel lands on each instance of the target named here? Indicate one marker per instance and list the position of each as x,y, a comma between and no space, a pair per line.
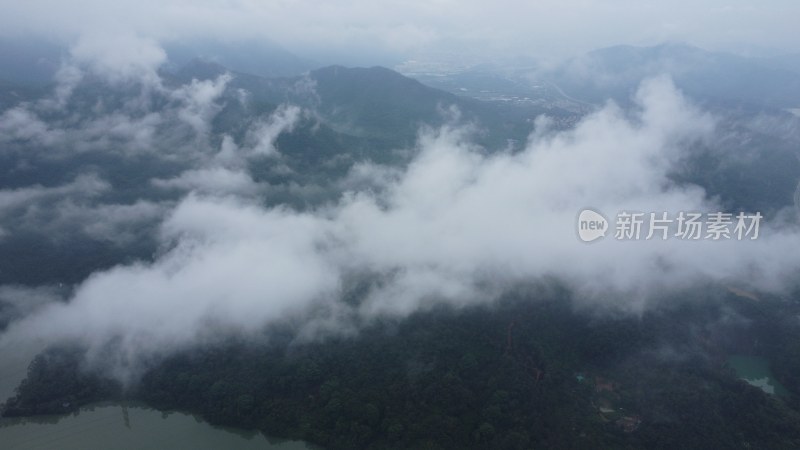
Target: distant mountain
198,69
752,163
500,85
377,103
34,62
374,101
255,57
615,72
356,114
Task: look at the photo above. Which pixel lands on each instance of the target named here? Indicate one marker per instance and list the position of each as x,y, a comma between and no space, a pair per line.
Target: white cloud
263,135
20,301
151,118
58,211
235,265
213,181
199,100
84,186
21,124
120,57
117,223
456,227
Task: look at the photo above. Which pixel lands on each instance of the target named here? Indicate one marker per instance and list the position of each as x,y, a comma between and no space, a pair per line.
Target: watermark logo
634,226
591,225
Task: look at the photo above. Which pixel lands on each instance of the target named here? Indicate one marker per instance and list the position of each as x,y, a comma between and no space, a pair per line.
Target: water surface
755,370
106,427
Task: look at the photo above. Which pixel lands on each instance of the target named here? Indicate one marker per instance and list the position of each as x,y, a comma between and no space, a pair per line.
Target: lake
128,427
755,371
110,426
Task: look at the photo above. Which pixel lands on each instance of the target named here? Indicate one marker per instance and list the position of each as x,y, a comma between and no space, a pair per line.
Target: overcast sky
408,28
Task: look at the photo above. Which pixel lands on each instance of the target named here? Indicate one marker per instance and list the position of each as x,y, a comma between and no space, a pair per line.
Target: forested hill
526,374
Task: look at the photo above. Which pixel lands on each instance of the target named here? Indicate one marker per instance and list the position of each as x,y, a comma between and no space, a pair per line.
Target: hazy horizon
386,33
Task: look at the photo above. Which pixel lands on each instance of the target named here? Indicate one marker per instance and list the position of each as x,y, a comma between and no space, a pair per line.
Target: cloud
19,301
199,100
57,212
67,78
458,226
263,135
120,57
111,111
235,265
86,186
211,181
21,124
511,216
365,30
120,224
109,97
226,172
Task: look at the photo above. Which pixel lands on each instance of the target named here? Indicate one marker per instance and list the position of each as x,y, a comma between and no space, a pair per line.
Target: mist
366,33
459,225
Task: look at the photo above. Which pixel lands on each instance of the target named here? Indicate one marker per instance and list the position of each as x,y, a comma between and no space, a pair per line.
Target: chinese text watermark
684,225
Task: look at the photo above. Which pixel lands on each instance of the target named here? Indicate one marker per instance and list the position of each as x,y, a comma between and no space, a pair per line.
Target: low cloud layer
458,226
